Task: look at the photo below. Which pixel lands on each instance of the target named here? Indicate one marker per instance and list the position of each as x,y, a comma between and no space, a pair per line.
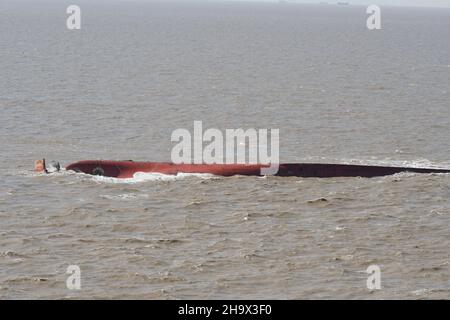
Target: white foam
139,177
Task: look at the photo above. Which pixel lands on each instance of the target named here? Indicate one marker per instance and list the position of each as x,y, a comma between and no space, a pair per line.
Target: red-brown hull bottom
127,169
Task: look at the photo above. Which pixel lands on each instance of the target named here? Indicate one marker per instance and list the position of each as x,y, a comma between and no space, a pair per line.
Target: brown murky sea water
135,72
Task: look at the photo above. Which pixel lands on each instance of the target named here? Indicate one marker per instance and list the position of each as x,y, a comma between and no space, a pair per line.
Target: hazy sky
422,3
414,3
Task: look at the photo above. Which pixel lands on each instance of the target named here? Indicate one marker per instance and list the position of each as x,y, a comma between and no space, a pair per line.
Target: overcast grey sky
422,3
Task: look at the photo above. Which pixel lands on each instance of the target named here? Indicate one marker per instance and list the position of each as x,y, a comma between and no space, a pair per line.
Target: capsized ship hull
127,169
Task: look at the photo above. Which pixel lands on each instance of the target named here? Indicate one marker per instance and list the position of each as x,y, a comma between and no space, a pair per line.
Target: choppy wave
124,196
